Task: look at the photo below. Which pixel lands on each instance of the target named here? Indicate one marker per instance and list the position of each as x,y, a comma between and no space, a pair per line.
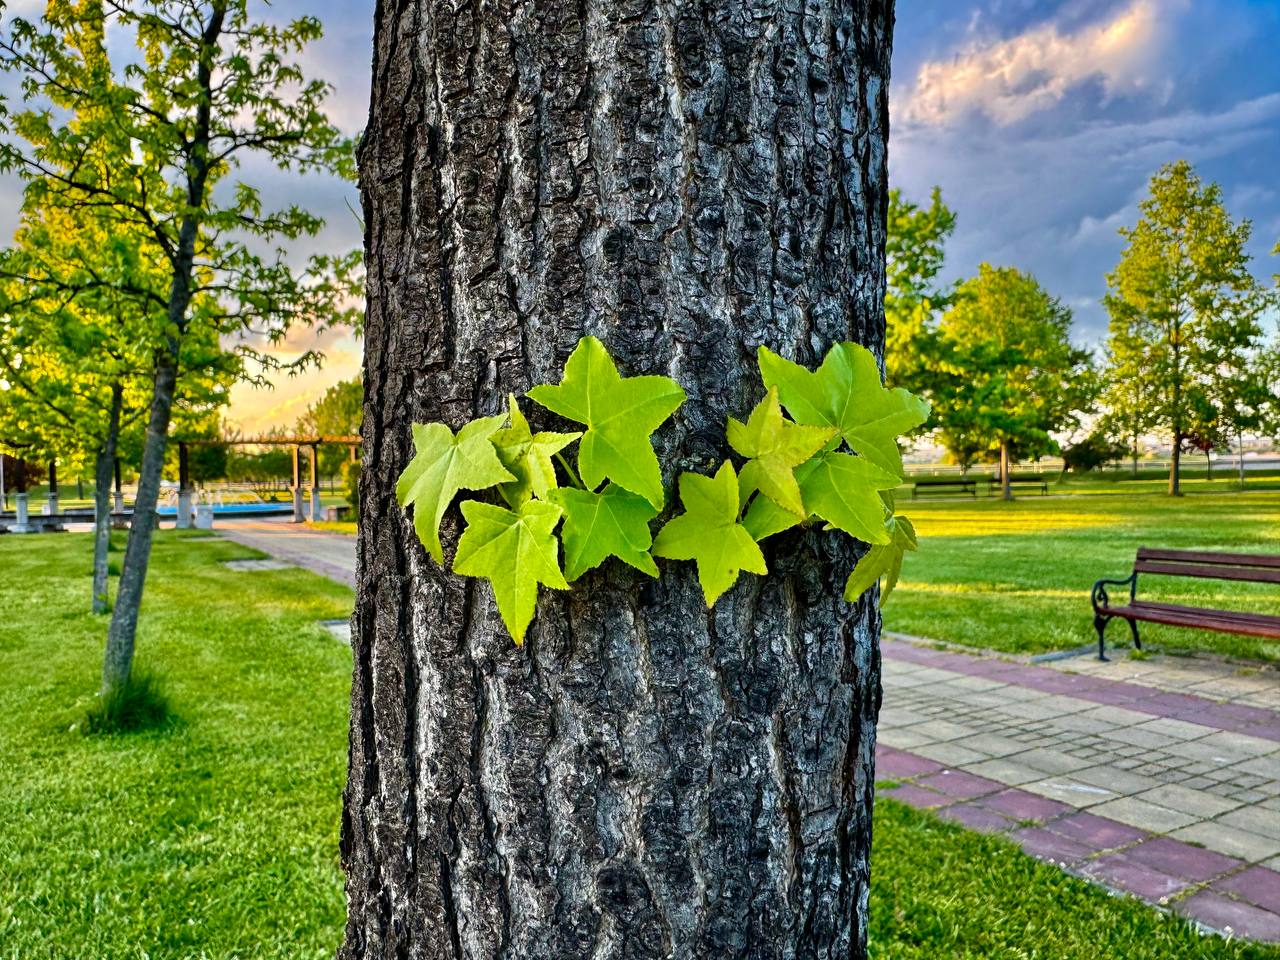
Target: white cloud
1010,79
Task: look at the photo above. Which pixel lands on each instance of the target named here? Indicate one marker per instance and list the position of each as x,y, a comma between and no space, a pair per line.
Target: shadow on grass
138,705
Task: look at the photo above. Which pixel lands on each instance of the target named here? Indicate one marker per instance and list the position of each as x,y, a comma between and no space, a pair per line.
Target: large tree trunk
102,501
644,778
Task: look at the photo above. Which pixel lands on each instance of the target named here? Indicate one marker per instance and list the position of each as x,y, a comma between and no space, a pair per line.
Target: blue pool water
235,508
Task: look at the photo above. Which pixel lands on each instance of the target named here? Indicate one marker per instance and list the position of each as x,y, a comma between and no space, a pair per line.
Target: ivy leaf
709,532
613,523
846,393
841,488
620,413
527,456
515,550
775,447
443,465
882,561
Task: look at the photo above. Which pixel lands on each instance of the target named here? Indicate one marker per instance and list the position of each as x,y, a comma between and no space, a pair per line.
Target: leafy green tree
914,254
1185,311
153,143
1009,377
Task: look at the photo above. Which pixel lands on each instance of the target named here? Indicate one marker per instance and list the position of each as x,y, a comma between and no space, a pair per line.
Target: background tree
1009,376
913,298
336,414
644,777
152,144
1183,306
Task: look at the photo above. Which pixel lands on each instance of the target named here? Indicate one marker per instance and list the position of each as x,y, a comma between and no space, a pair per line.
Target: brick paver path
1158,778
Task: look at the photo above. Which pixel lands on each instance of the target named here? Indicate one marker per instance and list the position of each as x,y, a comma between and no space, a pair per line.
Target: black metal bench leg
1133,628
1100,624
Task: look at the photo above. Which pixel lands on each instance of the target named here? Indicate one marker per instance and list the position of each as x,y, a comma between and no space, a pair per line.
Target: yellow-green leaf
709,532
775,446
883,560
444,464
528,456
846,393
840,488
619,412
612,523
515,550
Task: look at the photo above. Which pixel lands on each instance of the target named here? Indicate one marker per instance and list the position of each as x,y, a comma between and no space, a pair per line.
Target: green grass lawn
1016,576
217,837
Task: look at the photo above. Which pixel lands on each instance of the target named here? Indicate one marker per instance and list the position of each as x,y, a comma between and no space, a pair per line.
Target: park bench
1032,481
944,485
1245,567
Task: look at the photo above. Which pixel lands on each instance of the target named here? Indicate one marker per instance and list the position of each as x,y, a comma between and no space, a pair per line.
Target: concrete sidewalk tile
1110,777
1048,845
904,738
1006,771
1146,816
942,730
1228,839
1197,803
1175,729
1258,885
1100,832
994,745
959,784
1117,870
1256,819
1180,859
1231,916
981,819
917,797
899,763
1071,792
1265,767
1052,761
1024,805
1239,744
949,754
1139,736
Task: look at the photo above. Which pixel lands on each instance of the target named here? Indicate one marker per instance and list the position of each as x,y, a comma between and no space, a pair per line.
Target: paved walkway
1158,778
331,555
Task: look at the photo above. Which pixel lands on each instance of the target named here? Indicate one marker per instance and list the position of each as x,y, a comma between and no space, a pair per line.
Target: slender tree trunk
644,778
1208,463
1175,467
102,500
1240,456
1006,489
118,661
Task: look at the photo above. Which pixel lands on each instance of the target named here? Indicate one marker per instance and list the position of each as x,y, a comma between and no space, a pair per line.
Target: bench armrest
1100,597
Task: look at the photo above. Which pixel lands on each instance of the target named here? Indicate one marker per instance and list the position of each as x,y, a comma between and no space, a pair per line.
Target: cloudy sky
1041,120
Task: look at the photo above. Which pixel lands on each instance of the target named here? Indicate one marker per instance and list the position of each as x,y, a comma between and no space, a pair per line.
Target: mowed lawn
1016,576
218,837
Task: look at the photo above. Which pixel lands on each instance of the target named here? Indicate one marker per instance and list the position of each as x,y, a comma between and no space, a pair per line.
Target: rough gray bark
644,778
102,500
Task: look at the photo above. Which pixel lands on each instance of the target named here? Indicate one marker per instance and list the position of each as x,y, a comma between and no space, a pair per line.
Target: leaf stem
577,481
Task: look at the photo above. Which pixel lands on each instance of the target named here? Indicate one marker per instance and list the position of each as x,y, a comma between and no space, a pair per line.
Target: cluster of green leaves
835,461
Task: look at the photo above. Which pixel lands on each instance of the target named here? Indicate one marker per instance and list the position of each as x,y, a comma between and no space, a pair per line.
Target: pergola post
51,505
316,513
184,488
298,516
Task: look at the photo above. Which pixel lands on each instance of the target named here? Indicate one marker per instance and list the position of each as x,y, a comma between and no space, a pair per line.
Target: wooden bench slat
1179,618
1207,557
1243,574
1207,611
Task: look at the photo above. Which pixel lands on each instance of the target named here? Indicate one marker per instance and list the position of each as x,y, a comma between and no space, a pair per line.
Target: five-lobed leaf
515,550
846,393
444,464
883,560
842,489
775,446
612,523
619,412
527,455
709,532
